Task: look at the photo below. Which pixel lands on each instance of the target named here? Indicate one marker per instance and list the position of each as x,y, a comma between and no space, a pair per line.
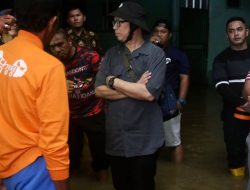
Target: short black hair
34,15
165,22
74,5
63,32
235,18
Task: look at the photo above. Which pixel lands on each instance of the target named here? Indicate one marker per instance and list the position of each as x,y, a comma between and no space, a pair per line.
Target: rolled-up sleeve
158,69
103,72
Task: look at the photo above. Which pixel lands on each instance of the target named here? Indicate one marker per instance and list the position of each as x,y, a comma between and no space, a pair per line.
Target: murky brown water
205,165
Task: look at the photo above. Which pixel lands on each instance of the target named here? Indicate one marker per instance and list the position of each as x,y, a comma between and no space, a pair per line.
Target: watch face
111,82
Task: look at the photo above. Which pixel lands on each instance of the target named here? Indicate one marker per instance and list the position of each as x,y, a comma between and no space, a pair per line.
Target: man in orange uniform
34,104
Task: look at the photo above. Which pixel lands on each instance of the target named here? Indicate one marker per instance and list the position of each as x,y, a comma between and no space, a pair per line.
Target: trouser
94,128
235,134
134,173
34,176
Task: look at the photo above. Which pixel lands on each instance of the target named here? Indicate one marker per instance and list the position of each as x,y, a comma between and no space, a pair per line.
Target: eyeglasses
118,22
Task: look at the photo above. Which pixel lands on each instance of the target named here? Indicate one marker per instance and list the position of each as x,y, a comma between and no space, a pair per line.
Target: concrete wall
219,13
157,9
96,15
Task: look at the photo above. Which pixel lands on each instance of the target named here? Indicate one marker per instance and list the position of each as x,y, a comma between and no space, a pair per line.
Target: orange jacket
33,108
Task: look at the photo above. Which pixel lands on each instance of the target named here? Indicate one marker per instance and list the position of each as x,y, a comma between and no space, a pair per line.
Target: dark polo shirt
134,127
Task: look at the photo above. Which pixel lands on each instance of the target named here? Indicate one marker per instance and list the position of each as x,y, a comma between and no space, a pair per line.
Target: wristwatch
110,83
182,101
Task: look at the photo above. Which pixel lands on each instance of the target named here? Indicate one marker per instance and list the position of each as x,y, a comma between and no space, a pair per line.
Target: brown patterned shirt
85,39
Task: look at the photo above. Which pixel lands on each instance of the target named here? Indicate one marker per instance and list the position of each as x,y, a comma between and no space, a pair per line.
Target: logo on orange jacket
17,69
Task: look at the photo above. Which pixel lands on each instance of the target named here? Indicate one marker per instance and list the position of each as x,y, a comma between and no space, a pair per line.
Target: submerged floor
205,165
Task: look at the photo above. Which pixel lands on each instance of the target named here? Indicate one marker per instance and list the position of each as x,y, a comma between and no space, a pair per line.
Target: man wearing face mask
131,78
177,76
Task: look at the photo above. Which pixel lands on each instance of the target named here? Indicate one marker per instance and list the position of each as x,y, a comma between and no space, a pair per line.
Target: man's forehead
236,23
75,11
161,27
57,38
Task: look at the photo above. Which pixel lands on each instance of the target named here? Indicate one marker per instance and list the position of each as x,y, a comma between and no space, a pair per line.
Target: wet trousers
134,173
235,134
94,128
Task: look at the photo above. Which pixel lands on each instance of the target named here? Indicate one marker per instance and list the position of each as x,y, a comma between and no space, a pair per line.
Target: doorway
193,39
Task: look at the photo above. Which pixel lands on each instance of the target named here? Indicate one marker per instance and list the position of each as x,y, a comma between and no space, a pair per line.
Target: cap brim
120,14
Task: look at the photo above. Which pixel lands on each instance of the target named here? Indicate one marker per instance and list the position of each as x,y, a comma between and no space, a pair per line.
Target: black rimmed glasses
118,22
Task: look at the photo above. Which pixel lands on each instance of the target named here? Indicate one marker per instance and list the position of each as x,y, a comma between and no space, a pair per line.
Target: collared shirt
34,111
82,69
85,39
134,127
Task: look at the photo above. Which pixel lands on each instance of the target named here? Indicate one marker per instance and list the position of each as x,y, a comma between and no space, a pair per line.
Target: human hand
6,21
2,187
107,79
179,106
62,184
70,86
180,103
144,78
246,106
155,40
